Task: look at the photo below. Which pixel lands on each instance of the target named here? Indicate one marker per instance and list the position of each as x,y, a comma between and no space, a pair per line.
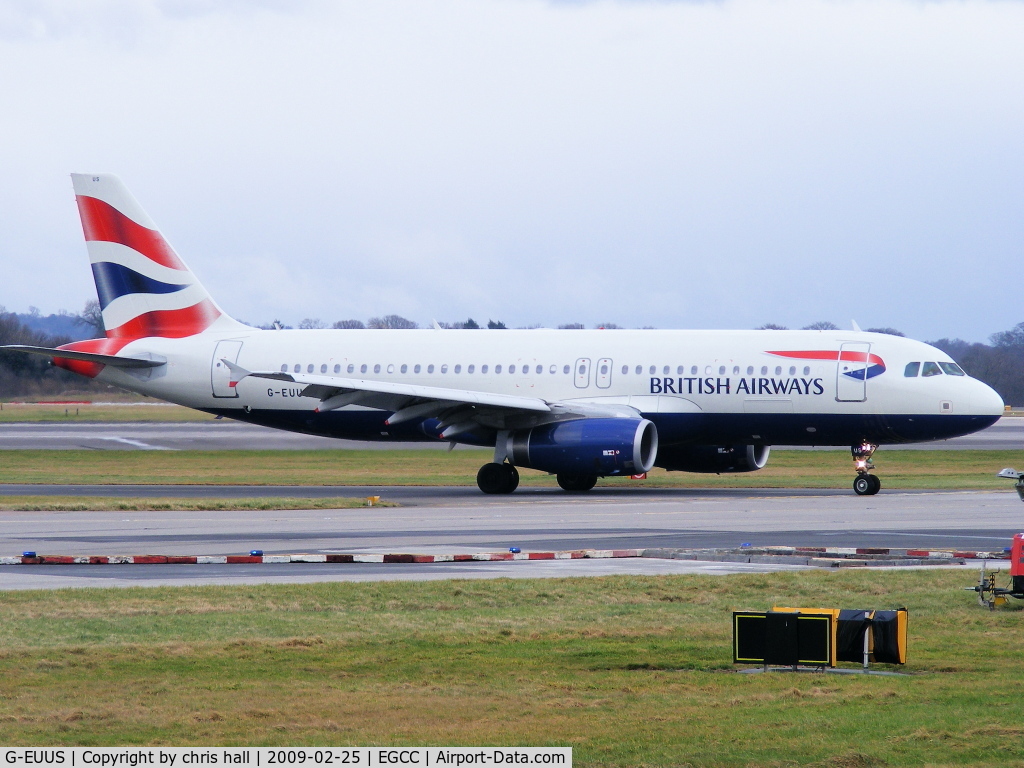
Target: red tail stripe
168,323
831,354
102,221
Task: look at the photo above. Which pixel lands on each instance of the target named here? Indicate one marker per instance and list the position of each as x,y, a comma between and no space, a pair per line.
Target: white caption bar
262,757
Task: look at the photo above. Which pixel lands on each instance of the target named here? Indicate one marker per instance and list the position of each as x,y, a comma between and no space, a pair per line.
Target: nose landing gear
865,484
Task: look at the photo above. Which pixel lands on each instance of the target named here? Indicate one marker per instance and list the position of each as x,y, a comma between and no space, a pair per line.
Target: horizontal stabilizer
89,357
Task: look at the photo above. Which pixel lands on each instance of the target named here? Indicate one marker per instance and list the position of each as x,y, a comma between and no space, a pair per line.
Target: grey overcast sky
670,164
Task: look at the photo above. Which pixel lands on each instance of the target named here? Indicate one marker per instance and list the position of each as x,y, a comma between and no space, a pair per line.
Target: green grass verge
946,470
627,670
103,503
87,412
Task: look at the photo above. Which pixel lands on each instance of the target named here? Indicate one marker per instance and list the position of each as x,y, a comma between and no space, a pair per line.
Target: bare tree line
1000,363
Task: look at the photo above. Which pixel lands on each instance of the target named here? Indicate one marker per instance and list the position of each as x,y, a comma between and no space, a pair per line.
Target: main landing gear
497,478
576,483
865,484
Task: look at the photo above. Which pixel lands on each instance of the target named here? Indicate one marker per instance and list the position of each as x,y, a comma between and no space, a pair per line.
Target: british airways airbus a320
577,404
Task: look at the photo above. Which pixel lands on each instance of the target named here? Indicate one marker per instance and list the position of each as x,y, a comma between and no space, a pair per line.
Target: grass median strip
115,503
941,470
627,670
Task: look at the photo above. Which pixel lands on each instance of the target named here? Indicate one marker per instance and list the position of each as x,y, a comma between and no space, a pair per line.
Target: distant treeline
1000,363
32,375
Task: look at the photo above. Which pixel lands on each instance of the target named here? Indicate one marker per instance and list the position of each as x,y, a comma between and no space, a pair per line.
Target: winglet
237,372
855,326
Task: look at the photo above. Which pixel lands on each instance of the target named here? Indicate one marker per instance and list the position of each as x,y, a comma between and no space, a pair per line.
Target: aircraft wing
459,410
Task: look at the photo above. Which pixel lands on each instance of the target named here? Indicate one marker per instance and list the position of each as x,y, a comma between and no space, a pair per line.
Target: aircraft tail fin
144,288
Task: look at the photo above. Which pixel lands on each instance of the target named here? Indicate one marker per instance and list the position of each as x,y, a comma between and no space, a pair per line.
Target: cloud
648,163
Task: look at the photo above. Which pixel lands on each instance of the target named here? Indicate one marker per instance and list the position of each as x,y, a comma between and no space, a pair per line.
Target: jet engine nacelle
587,447
714,458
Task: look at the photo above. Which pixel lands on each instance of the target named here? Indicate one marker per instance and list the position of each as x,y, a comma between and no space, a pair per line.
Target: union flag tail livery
577,404
144,288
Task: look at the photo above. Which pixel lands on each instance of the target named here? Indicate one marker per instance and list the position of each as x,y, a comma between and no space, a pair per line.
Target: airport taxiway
448,520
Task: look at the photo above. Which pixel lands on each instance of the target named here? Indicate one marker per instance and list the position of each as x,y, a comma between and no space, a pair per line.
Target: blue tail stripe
116,280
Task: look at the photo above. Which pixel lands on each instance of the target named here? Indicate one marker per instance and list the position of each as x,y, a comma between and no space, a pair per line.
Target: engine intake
587,447
714,458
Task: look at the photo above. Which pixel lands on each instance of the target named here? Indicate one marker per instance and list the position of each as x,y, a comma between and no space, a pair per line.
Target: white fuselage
697,386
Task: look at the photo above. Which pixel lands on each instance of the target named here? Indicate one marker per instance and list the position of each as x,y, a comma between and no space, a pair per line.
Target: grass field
797,469
130,410
627,670
103,503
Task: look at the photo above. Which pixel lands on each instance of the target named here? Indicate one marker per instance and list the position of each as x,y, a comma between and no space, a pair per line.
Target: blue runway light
745,544
28,554
256,552
514,550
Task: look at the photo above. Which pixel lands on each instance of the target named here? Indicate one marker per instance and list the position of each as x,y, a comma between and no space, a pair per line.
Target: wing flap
324,387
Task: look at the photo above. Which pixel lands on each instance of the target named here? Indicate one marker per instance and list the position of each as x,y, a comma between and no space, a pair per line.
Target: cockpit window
931,369
911,370
952,369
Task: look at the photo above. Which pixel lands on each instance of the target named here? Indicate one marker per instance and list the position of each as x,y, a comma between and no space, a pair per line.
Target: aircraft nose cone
986,401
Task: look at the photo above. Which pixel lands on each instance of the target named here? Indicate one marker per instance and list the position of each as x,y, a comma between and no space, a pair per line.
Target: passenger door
852,372
220,376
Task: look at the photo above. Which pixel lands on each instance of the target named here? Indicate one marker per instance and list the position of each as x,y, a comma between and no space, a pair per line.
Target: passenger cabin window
470,369
391,367
652,369
750,370
284,368
362,368
404,368
540,369
952,369
639,370
351,368
483,369
666,370
565,369
553,369
376,368
764,370
416,368
931,369
912,370
309,368
444,368
511,369
323,368
297,368
430,368
337,369
693,370
721,370
625,370
497,369
458,368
